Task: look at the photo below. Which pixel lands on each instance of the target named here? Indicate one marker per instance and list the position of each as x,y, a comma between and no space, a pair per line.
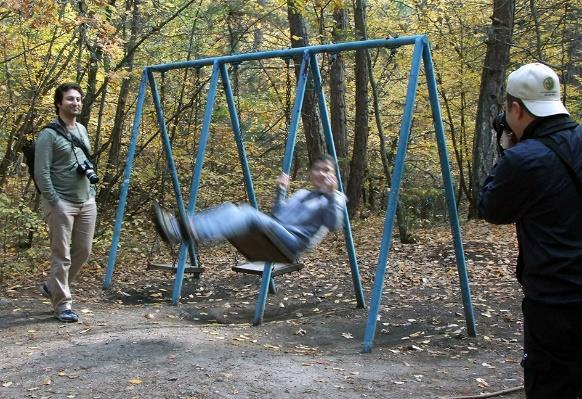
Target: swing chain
287,96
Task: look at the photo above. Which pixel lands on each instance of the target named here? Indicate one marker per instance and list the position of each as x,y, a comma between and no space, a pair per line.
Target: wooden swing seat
261,246
173,267
258,267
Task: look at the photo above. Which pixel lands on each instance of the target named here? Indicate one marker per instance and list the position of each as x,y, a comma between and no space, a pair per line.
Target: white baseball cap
538,87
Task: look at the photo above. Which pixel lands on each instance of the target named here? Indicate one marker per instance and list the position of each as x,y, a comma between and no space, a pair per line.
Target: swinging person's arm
282,184
333,214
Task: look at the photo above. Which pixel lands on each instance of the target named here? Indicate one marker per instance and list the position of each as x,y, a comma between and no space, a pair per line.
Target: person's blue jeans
228,221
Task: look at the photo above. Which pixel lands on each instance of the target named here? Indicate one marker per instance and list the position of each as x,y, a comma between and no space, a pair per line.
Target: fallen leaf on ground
482,382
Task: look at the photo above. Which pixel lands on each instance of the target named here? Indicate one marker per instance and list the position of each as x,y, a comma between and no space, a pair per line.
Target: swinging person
299,223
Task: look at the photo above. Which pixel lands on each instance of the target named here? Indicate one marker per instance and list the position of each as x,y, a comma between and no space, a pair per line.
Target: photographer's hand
505,140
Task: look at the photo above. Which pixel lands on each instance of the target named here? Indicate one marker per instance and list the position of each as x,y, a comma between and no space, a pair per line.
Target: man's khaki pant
71,227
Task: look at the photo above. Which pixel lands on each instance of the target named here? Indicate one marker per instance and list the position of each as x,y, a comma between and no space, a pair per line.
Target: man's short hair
62,89
323,158
512,99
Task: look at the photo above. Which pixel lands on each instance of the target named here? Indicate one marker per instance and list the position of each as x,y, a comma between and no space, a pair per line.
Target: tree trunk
258,32
95,53
405,236
309,112
491,95
337,93
572,48
120,112
359,154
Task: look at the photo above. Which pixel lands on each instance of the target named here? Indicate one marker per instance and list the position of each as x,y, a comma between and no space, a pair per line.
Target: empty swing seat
173,267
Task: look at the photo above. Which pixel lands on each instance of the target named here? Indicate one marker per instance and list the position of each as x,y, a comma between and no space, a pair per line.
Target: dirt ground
132,343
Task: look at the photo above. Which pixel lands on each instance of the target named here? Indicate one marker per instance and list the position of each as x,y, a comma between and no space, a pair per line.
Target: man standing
64,173
537,184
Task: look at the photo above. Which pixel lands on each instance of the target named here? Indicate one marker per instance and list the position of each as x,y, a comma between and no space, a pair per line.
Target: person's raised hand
283,181
330,182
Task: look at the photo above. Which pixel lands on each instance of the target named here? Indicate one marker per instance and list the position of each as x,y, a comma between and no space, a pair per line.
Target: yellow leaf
135,381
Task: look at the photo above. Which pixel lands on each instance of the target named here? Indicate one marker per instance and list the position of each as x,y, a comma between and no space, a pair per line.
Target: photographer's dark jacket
55,166
530,186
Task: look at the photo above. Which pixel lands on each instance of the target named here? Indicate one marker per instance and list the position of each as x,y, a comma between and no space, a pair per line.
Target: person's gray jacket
310,214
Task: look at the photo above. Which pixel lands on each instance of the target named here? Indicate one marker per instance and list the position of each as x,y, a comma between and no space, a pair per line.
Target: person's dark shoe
67,316
166,224
44,291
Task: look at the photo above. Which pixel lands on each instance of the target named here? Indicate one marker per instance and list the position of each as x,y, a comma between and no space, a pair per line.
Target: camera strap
552,145
74,140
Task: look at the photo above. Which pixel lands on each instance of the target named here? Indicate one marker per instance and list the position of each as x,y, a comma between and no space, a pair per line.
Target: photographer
537,184
64,175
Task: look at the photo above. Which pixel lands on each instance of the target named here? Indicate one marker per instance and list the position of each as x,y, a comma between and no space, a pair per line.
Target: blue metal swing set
309,63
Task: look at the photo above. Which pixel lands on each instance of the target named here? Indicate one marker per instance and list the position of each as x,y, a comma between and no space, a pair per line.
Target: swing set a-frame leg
266,282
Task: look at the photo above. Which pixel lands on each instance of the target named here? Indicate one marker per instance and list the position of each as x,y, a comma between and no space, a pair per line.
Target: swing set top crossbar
286,53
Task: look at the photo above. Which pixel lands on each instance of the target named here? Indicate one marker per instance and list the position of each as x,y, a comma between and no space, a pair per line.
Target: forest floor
132,343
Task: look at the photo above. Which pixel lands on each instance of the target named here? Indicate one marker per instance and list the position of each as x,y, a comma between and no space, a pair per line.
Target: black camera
500,125
86,168
505,137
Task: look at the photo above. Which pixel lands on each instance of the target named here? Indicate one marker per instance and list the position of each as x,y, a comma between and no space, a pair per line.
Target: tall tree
359,160
309,113
405,236
337,90
133,7
491,94
572,54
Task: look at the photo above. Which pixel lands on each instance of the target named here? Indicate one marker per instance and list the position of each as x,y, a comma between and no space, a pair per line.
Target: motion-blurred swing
258,246
262,246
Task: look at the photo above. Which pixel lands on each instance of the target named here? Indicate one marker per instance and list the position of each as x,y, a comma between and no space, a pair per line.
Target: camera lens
86,168
500,124
92,176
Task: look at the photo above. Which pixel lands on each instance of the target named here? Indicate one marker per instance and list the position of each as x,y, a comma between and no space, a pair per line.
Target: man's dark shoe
44,291
166,224
67,316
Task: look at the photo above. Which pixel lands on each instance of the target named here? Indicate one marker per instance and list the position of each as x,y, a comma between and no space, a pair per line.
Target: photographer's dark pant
552,359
